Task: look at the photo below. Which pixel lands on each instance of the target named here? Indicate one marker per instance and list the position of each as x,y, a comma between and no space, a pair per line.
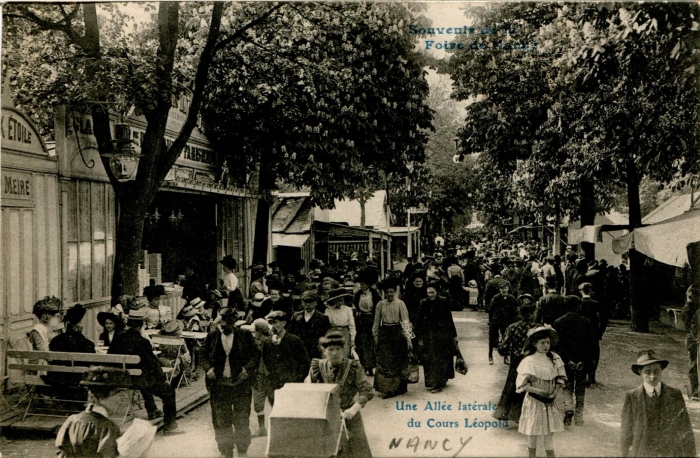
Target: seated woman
112,325
41,335
355,390
157,314
91,432
173,328
71,341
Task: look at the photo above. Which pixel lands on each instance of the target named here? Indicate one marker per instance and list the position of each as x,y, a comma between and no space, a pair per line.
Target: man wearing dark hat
91,432
152,381
284,355
71,341
590,308
655,421
494,285
309,324
230,359
577,341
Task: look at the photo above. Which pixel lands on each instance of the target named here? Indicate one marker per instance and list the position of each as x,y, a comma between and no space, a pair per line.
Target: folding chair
171,348
23,344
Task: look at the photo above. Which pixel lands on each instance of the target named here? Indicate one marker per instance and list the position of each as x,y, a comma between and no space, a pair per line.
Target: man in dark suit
577,338
655,421
590,308
494,285
309,324
229,359
284,355
551,306
152,380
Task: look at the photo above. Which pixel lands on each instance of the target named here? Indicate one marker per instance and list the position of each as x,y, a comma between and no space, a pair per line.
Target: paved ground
446,434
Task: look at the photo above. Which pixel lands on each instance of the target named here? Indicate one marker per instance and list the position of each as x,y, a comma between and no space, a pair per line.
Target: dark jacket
493,287
577,338
503,310
590,308
309,332
131,342
676,437
104,336
550,307
244,354
69,342
285,362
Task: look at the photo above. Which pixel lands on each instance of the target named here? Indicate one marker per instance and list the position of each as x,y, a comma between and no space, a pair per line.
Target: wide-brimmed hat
276,315
74,314
48,304
338,293
258,299
472,283
646,357
527,297
188,311
332,338
172,328
104,316
533,335
229,262
106,376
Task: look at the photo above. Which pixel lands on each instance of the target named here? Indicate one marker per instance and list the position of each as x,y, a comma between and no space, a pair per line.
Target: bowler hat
226,312
107,377
229,262
75,314
646,357
533,335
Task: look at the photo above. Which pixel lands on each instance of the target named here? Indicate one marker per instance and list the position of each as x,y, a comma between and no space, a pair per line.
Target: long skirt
364,341
511,403
437,356
357,446
392,359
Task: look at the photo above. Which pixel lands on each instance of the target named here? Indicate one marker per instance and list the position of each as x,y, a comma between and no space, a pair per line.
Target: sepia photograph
350,229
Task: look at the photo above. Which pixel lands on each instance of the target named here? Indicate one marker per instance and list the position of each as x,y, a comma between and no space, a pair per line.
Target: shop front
195,219
31,249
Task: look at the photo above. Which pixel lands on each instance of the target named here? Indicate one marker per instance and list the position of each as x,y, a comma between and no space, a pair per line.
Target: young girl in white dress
541,375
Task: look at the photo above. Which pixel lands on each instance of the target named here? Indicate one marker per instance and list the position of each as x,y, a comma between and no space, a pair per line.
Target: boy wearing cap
309,324
655,421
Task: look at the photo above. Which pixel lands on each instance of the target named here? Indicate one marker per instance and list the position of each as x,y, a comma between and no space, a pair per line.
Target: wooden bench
32,361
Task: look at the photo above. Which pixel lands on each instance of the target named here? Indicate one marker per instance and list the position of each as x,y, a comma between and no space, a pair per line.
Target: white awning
667,241
292,240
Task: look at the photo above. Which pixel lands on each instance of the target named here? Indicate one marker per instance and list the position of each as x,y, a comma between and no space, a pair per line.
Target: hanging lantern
124,161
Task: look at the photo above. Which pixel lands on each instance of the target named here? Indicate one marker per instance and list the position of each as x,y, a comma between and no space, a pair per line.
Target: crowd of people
343,325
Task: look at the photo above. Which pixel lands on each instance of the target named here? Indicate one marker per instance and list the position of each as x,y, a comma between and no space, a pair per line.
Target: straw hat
171,328
258,299
338,293
533,335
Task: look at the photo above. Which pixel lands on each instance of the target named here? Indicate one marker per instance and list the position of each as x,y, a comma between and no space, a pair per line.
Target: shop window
89,212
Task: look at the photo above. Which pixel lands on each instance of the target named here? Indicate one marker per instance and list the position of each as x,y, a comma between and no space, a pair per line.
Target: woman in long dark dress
365,301
414,293
510,404
437,338
392,332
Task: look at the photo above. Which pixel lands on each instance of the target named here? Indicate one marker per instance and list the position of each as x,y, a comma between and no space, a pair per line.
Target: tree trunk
639,303
556,247
587,215
132,207
362,213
